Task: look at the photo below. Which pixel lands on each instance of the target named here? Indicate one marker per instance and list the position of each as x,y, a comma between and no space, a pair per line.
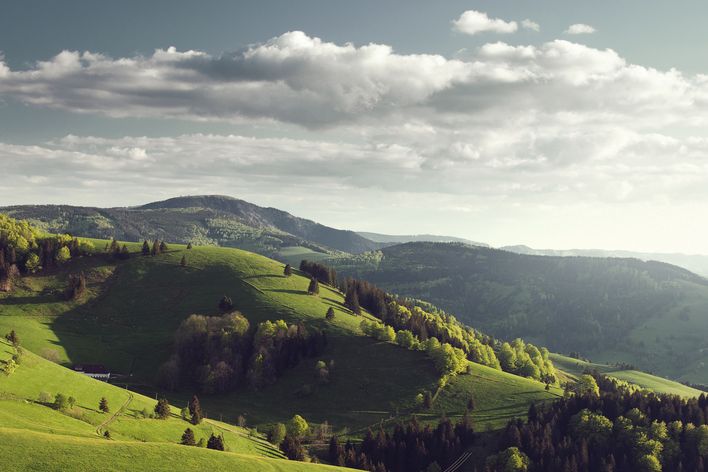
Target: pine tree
162,409
195,410
163,246
188,438
215,442
155,250
470,404
314,287
146,248
124,252
288,271
189,246
330,314
183,262
351,300
103,405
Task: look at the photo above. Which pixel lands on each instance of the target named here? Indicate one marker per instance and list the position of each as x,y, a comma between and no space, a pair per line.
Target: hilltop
207,219
610,309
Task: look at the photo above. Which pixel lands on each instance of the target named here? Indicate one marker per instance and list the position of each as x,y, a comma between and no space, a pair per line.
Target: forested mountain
212,219
645,313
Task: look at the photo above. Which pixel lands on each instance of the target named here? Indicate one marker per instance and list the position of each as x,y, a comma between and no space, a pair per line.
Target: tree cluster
617,431
409,448
320,272
215,354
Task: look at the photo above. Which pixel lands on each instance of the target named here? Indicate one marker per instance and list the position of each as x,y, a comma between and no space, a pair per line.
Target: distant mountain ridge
696,263
390,239
205,219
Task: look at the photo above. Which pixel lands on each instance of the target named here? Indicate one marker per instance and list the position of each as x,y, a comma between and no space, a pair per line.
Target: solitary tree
225,304
314,287
288,271
103,405
215,442
330,314
188,438
61,402
189,246
183,262
162,409
146,248
195,410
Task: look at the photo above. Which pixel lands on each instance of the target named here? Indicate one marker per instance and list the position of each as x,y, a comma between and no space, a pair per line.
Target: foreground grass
22,450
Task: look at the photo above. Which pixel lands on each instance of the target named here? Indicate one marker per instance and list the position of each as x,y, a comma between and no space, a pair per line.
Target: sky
556,124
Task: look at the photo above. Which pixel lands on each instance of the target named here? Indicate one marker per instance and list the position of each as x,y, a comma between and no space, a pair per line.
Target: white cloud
530,25
580,28
474,22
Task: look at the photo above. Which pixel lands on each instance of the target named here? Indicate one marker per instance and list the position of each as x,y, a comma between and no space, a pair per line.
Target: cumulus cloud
531,127
530,25
580,28
474,22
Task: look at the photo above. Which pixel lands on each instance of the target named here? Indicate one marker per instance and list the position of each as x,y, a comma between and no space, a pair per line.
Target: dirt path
100,427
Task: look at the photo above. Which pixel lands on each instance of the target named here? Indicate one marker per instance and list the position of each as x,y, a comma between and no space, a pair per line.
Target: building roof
91,368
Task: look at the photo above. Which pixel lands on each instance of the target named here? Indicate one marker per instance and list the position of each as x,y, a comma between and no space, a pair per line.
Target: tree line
214,354
408,448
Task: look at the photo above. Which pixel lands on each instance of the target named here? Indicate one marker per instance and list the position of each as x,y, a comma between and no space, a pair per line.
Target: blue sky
486,120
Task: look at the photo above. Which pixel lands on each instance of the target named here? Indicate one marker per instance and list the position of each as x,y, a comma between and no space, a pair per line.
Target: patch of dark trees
408,448
216,354
555,440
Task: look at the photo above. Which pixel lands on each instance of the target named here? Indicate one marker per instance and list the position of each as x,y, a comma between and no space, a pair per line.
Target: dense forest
610,427
216,354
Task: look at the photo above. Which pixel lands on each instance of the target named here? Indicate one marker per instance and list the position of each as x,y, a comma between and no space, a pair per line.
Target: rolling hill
649,314
390,239
38,437
210,219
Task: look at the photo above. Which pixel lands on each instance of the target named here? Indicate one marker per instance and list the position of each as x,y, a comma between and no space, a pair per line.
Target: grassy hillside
575,367
211,219
128,318
33,451
650,314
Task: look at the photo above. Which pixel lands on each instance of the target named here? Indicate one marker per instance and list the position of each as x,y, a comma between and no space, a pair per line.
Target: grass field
33,451
575,367
294,254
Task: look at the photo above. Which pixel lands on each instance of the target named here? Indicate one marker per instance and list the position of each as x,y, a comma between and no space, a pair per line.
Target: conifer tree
162,409
163,246
13,338
189,246
146,248
287,272
351,300
195,410
155,250
188,438
314,287
215,442
330,314
124,252
103,405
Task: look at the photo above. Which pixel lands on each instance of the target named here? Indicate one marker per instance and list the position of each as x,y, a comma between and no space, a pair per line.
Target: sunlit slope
575,367
129,318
